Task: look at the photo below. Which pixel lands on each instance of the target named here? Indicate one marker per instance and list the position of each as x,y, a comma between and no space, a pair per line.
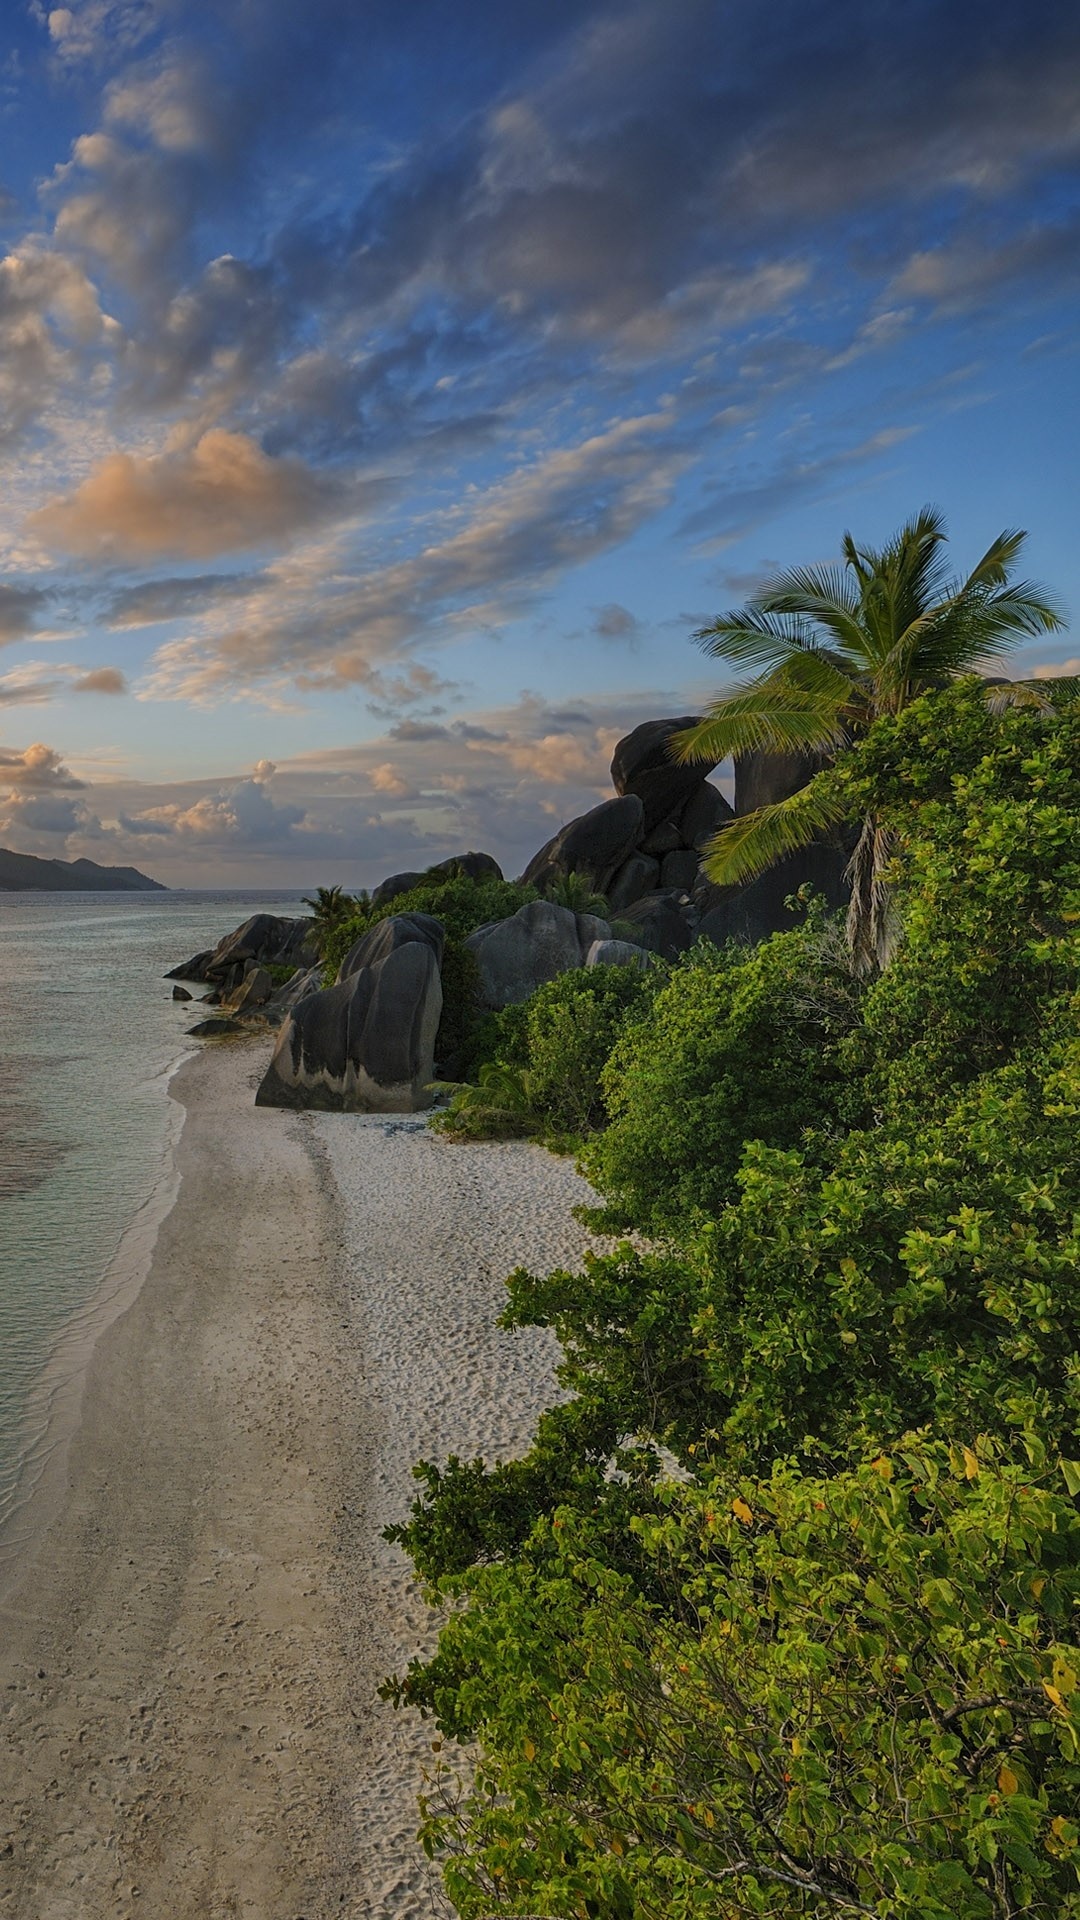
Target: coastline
53,1408
190,1646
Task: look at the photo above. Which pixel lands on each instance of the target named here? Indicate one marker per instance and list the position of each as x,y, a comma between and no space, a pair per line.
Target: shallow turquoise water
89,1035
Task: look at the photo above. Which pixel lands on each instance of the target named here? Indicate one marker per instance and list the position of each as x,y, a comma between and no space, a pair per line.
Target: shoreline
190,1650
53,1408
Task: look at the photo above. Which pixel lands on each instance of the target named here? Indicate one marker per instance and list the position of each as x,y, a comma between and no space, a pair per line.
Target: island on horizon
25,873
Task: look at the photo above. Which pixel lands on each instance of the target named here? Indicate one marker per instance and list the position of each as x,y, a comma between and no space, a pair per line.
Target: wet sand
190,1649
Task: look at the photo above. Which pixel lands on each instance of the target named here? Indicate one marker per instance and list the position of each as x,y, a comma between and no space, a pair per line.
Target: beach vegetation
835,648
576,891
547,1057
331,909
779,1612
849,1694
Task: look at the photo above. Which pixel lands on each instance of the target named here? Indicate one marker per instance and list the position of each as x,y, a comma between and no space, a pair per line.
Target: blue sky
387,392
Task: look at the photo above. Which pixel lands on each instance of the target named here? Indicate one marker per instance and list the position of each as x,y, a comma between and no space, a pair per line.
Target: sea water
89,1038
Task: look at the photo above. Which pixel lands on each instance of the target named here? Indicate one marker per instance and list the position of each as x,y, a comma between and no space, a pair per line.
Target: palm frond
753,842
993,569
1047,696
773,716
754,638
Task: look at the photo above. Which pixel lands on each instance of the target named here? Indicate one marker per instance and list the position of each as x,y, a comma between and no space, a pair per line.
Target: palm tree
330,907
836,648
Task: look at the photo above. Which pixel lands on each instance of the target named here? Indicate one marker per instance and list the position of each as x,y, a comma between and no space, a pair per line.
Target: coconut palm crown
835,647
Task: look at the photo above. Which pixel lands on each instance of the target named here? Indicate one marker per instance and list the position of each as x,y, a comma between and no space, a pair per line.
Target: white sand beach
191,1643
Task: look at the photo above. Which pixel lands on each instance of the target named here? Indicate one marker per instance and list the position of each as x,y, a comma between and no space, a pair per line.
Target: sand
192,1642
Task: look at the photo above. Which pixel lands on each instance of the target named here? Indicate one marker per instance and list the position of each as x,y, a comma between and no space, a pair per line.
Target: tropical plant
575,890
332,908
497,1105
836,648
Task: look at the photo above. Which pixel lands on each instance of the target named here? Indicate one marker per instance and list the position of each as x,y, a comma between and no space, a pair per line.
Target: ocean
89,1037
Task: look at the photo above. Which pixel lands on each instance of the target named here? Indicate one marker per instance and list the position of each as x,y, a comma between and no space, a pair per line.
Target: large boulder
366,1044
758,908
541,940
679,871
305,981
387,935
619,953
193,969
594,845
703,816
642,764
253,992
636,876
763,778
658,923
394,885
269,939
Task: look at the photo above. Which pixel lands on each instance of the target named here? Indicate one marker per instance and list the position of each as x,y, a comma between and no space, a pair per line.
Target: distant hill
22,872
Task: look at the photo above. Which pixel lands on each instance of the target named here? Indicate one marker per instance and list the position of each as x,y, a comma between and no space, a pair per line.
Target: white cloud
218,496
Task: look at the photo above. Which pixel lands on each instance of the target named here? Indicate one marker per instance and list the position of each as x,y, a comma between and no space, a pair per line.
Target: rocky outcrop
752,912
665,923
253,991
266,939
642,763
366,1044
702,817
517,955
470,866
594,846
763,778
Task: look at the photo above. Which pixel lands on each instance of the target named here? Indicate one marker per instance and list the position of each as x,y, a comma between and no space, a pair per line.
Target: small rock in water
181,993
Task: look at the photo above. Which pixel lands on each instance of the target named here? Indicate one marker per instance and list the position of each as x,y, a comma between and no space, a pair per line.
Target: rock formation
517,955
366,1044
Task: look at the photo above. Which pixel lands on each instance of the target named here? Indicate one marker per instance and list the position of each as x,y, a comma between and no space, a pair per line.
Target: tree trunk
872,928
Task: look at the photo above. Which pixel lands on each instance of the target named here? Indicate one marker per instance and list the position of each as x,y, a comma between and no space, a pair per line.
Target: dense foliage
858,1694
832,1665
739,1045
544,1061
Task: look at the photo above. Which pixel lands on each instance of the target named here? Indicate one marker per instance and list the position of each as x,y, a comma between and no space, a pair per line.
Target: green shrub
735,1046
572,1023
858,1694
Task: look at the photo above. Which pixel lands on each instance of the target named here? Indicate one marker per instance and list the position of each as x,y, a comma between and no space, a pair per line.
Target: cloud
37,769
100,680
87,30
171,599
385,778
963,274
174,104
36,682
218,496
322,621
51,327
242,814
732,509
38,809
615,622
18,608
1055,669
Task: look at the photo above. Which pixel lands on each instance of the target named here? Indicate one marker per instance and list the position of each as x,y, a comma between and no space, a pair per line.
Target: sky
389,391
